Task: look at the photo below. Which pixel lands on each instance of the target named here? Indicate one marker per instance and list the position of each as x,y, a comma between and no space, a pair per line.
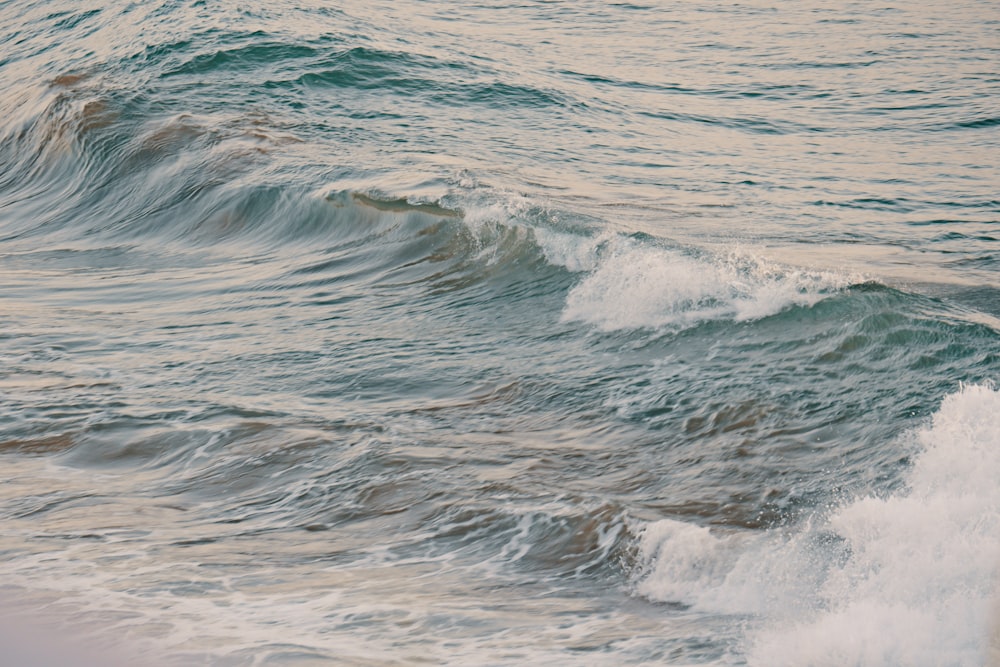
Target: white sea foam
909,579
631,284
571,251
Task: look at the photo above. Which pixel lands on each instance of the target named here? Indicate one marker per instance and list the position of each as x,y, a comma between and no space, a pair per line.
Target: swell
96,167
84,156
263,63
92,163
92,170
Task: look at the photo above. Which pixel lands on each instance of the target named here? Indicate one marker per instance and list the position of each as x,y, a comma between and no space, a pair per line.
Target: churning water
500,333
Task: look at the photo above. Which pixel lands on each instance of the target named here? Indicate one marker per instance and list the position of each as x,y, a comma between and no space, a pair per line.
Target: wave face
514,333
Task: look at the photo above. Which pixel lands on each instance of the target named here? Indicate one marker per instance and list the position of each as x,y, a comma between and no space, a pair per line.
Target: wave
91,166
906,578
629,281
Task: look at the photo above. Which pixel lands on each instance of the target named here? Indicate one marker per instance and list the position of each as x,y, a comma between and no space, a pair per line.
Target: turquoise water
506,333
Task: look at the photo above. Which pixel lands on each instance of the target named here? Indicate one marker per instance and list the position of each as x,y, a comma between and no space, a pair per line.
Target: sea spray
632,284
904,579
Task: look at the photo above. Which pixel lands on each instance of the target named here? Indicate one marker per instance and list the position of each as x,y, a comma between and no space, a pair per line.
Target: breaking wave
904,579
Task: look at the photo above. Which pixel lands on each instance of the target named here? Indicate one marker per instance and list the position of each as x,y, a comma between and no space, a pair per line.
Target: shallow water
512,333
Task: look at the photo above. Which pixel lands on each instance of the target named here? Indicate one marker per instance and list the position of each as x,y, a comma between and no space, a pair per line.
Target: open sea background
500,333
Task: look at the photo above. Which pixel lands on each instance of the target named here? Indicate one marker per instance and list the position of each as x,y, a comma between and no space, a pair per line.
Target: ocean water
500,333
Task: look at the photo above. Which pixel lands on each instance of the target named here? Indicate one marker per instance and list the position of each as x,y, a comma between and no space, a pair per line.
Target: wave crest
636,285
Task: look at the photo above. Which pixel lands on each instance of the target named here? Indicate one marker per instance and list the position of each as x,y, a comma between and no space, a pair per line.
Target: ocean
511,332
